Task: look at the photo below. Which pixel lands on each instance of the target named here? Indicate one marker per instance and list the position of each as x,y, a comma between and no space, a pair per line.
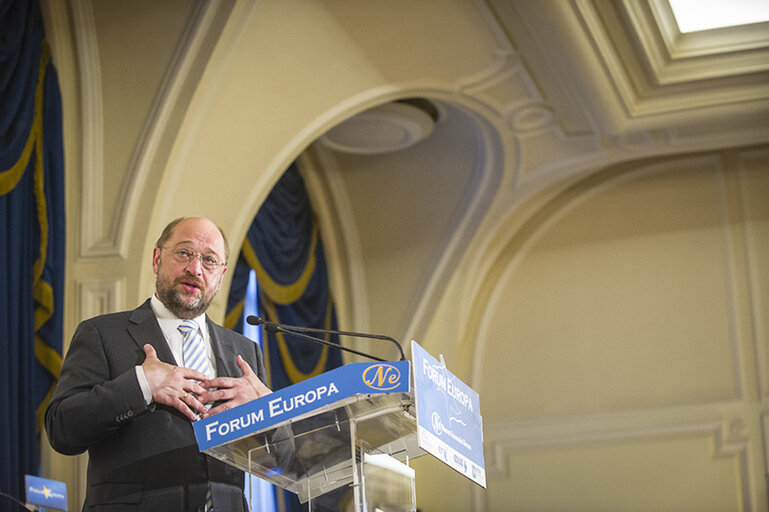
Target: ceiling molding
385,128
658,70
695,56
529,73
725,40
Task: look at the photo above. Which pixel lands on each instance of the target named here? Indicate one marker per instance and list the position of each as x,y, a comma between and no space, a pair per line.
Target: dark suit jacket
140,457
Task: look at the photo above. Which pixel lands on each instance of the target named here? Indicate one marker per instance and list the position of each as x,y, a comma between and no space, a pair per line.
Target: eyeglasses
185,255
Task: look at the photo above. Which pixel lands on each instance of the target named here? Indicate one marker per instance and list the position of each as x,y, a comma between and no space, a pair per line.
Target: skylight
697,15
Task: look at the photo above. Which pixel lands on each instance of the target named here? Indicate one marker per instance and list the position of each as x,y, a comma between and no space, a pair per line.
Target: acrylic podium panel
344,453
314,455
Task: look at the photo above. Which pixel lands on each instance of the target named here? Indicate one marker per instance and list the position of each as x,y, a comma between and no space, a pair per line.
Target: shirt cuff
144,384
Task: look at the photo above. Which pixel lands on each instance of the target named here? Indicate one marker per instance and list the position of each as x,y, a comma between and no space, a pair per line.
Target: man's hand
233,391
173,385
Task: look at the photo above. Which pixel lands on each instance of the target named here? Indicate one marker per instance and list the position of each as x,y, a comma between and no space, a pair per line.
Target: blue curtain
31,238
284,248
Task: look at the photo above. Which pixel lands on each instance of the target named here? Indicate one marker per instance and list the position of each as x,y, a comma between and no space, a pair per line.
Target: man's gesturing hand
173,385
233,391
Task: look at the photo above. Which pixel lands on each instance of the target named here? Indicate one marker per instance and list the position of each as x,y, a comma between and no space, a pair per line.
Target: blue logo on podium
46,493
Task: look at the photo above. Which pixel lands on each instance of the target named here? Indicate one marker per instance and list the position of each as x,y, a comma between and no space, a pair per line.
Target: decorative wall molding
544,139
99,296
755,160
95,240
562,204
733,298
505,87
504,54
545,124
199,36
728,436
730,425
707,136
765,438
57,30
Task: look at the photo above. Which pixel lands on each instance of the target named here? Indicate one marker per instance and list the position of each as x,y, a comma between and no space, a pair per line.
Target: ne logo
381,376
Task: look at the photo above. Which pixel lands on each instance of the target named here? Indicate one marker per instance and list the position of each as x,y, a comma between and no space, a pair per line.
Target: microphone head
254,320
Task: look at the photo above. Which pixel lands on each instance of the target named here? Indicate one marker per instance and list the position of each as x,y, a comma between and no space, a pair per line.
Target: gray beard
172,299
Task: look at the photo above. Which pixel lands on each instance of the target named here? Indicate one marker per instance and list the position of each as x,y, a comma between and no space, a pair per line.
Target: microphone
301,332
24,506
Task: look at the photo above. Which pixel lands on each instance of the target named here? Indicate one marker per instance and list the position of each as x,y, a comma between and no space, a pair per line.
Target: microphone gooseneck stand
302,332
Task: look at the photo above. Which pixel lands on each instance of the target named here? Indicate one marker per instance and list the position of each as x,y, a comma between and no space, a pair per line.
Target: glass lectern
334,444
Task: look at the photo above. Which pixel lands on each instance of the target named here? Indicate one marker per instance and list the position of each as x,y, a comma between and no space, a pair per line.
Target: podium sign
449,423
350,432
45,492
302,399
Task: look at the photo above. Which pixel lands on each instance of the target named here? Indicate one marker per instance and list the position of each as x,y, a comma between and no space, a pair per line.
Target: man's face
187,288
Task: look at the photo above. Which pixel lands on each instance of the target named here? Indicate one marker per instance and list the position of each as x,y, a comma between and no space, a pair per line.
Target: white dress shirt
169,324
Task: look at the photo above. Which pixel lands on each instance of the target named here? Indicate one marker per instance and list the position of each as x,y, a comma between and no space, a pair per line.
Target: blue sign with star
46,493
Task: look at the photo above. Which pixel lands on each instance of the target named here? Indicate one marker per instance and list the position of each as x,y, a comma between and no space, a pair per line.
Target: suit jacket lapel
144,328
224,351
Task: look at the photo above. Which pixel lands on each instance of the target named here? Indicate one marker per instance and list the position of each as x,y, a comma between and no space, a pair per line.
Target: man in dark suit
125,395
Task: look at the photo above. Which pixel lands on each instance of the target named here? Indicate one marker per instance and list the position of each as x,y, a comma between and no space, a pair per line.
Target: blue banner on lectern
299,399
449,424
46,493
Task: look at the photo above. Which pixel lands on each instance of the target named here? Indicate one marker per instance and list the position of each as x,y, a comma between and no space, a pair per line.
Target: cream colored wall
620,343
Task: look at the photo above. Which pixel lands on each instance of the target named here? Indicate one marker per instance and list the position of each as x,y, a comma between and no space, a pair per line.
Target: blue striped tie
193,350
195,358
